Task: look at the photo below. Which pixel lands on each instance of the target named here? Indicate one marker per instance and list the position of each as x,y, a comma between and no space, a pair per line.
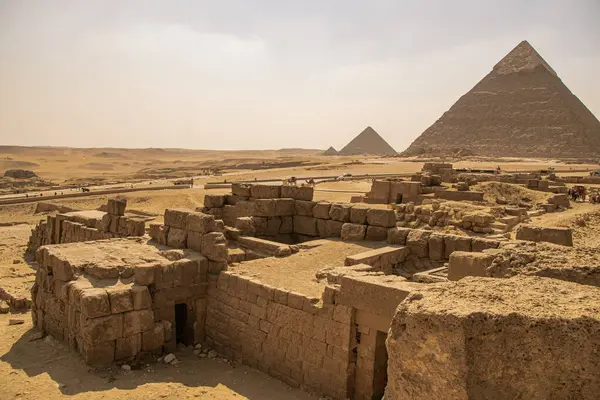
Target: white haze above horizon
239,74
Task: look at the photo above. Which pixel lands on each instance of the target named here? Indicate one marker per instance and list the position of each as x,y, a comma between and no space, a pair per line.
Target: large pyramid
520,109
330,152
367,142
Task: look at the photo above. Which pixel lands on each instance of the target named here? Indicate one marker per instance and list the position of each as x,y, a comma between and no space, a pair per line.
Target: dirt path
42,370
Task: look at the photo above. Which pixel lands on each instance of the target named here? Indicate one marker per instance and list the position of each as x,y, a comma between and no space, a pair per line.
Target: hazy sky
236,74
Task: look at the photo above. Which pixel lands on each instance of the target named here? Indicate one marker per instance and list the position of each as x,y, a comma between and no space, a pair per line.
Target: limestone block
214,200
153,339
358,215
98,354
557,235
245,225
321,210
245,208
340,212
116,207
304,208
329,228
305,225
128,347
265,208
436,247
287,225
397,235
384,218
376,233
176,238
353,232
98,330
260,225
273,225
176,218
140,297
464,263
136,322
214,246
94,303
62,269
198,222
240,189
418,242
194,241
456,243
215,267
297,192
120,299
265,191
480,244
135,226
284,207
380,191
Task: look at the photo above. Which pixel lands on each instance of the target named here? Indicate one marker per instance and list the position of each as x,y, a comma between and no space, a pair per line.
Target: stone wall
81,226
392,192
290,336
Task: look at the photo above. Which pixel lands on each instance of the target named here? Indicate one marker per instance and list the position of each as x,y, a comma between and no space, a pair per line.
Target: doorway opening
399,198
380,377
181,318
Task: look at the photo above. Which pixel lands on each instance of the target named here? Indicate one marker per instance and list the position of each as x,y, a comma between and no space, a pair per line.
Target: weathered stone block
128,347
98,354
397,235
94,303
159,233
245,226
305,225
287,225
384,218
353,232
116,207
240,189
284,207
376,233
194,240
137,321
436,247
480,244
297,192
101,329
340,212
141,297
214,200
177,238
358,215
265,191
456,243
153,339
305,208
176,218
557,235
321,210
214,246
464,263
120,299
329,228
417,242
265,208
198,222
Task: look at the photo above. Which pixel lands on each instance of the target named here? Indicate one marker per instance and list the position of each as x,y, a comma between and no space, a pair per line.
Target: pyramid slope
330,152
520,109
368,142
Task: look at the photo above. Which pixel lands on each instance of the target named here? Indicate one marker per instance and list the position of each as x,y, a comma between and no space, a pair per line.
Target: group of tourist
580,193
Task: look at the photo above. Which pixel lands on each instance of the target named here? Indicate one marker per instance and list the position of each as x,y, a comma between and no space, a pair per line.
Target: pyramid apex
522,57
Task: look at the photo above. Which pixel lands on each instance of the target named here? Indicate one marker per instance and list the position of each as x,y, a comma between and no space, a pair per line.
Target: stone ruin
80,226
389,309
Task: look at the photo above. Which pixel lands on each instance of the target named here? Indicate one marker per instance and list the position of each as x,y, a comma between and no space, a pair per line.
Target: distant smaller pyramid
330,152
368,142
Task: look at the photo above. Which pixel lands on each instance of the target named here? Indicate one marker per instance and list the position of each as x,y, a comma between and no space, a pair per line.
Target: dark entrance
380,370
399,198
180,323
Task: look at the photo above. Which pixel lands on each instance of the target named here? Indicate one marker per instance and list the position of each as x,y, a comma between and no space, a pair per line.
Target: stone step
382,259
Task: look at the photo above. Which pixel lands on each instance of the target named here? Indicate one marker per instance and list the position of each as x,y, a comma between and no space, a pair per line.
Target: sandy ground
41,370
